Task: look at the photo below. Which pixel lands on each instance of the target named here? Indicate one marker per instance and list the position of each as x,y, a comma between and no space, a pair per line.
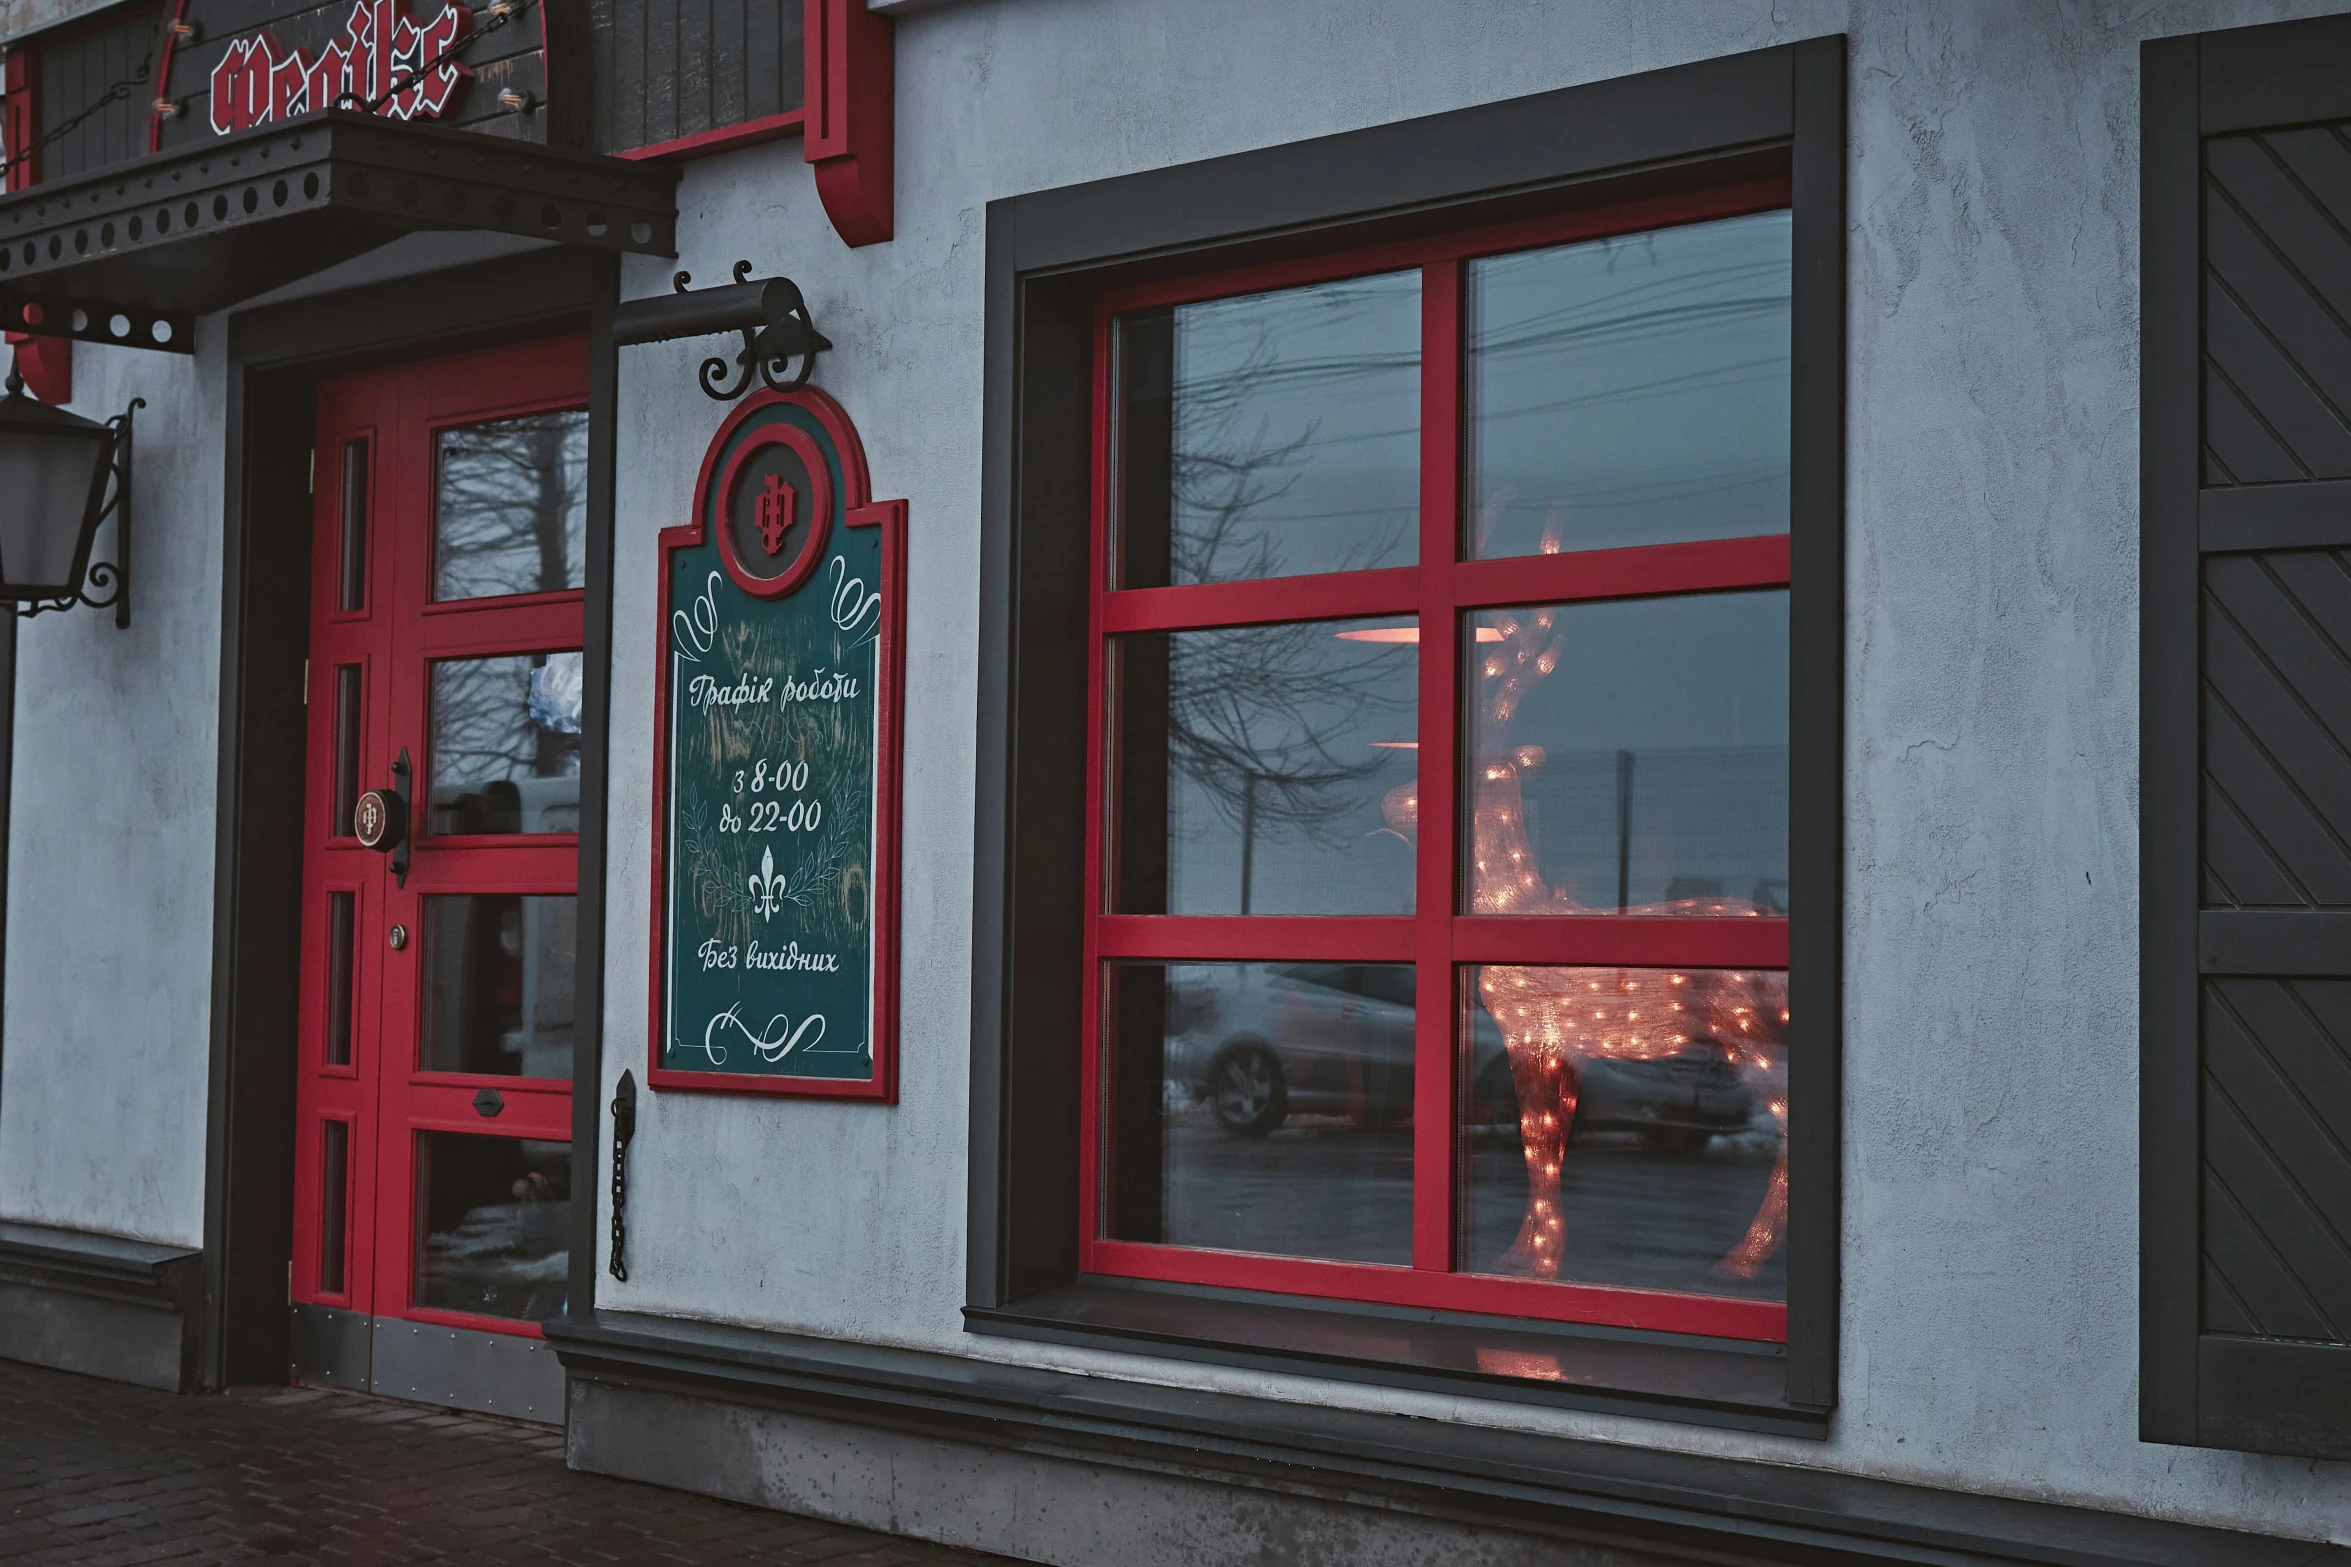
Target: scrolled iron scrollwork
777,331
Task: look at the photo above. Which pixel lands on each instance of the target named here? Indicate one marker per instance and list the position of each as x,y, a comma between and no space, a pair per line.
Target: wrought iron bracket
111,577
624,1129
769,312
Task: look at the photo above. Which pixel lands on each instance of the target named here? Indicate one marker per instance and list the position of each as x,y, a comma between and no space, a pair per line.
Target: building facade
1303,783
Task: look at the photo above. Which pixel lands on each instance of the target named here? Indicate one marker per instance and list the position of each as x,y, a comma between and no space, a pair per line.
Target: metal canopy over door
433,1156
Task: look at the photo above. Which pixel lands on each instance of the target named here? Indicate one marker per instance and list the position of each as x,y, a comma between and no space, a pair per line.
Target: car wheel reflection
1245,1086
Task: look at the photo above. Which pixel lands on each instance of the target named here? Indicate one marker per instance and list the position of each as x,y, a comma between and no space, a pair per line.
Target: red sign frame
858,509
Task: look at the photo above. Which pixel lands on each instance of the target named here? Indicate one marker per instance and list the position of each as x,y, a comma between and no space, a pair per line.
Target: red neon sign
259,79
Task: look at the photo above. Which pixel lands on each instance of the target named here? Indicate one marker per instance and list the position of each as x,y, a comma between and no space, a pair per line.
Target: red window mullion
1257,938
1433,1162
1709,565
1336,595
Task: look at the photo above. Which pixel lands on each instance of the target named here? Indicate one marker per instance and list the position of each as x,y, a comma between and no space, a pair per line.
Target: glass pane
1630,390
1626,1127
1267,769
333,1203
1629,756
1262,1107
354,595
492,1213
498,975
348,722
506,744
342,936
510,507
1270,435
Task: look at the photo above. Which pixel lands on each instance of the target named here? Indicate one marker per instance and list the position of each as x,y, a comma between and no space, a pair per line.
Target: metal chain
499,19
115,94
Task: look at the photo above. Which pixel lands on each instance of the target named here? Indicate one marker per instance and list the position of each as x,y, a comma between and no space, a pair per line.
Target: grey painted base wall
1035,1506
113,1339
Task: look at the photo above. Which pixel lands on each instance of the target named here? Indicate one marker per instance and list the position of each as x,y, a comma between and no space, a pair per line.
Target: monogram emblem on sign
774,512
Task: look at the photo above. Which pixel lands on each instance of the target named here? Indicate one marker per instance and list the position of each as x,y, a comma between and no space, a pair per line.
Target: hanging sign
776,739
383,55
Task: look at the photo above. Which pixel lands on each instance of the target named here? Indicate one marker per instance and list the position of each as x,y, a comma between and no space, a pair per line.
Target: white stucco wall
1990,1254
105,1053
1990,1322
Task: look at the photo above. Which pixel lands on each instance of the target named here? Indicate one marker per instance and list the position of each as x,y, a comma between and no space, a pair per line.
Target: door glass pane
1628,756
506,744
1270,435
498,975
1625,1127
1267,769
354,544
333,1203
1262,1107
349,721
342,937
491,1219
510,506
1631,390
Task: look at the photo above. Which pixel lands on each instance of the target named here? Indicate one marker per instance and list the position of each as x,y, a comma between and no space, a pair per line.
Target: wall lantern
60,476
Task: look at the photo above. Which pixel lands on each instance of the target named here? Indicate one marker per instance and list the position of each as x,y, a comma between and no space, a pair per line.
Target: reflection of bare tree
1231,466
497,722
1257,716
510,507
1256,713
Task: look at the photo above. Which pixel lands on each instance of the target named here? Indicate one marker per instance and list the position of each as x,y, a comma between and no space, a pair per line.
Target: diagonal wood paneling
2277,730
2277,307
2277,1158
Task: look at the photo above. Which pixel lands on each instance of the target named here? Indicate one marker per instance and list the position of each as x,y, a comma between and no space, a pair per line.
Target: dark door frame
275,358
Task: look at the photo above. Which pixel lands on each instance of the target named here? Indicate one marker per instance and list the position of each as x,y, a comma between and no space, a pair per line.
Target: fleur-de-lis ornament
767,888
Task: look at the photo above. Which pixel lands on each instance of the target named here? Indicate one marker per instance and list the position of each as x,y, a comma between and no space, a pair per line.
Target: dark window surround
1770,113
2197,1388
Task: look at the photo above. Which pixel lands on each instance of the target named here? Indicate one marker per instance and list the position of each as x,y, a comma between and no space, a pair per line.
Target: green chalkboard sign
776,773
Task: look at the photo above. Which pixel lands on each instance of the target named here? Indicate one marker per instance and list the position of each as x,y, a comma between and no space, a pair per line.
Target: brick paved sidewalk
97,1473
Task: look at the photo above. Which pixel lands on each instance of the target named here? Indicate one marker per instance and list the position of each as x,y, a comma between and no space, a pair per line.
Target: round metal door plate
398,937
379,819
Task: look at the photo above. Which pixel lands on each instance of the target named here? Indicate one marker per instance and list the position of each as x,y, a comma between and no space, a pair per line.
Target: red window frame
1437,940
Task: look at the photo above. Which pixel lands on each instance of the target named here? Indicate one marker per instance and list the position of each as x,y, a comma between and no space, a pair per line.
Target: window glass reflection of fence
1666,830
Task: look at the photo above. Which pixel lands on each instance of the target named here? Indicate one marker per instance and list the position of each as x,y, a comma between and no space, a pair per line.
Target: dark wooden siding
76,70
667,69
510,57
2245,962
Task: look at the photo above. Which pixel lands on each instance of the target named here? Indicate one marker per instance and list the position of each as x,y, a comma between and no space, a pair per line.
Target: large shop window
1407,849
1440,936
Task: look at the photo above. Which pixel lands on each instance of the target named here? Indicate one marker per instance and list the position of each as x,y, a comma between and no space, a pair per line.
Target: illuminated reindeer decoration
1551,1018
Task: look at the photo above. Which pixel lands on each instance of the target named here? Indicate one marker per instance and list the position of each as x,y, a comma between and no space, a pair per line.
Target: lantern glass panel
47,481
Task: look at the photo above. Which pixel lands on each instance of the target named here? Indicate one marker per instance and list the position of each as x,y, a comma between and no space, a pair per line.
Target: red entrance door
433,1160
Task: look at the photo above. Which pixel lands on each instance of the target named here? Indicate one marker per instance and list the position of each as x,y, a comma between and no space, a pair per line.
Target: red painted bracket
851,116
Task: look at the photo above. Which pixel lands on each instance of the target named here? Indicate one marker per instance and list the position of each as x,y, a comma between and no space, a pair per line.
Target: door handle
379,819
488,1102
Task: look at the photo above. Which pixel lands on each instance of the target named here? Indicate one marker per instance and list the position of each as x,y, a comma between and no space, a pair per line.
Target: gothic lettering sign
775,949
382,55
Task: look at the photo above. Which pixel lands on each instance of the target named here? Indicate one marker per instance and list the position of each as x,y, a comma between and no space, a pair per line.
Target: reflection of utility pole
1624,831
1248,832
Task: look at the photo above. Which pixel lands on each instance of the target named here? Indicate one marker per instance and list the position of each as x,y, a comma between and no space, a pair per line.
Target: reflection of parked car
1337,1039
1676,1102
